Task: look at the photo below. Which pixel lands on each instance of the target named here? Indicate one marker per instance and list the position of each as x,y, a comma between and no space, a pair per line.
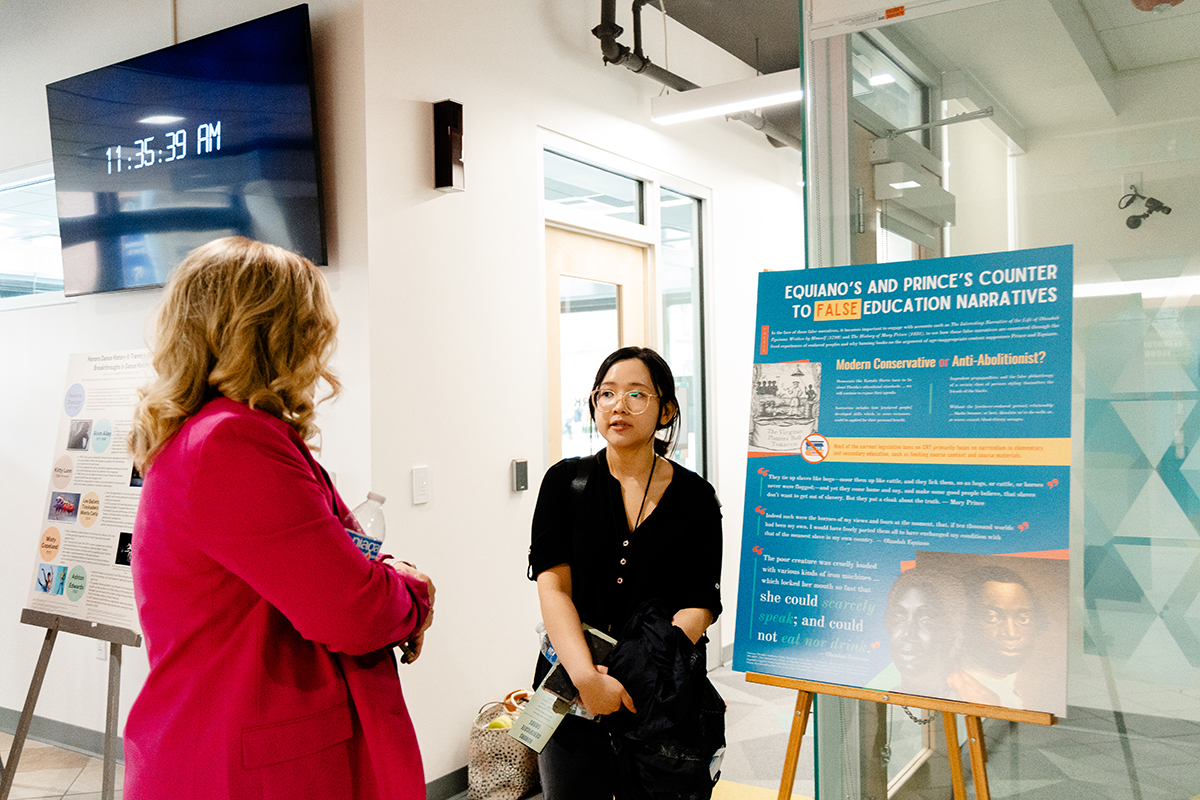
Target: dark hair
924,581
664,387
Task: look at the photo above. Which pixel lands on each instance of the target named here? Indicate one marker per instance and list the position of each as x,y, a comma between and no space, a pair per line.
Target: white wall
1069,182
441,298
977,176
45,42
457,299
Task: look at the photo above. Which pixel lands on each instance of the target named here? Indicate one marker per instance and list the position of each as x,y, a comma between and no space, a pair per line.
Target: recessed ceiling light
160,119
882,79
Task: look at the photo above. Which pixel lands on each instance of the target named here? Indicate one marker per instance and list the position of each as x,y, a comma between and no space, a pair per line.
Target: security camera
1153,205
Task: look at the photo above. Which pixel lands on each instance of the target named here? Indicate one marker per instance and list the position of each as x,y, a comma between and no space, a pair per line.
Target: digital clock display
159,154
144,154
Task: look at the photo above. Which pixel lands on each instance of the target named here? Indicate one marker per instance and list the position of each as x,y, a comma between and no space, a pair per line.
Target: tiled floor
1085,756
757,725
1095,755
45,771
758,720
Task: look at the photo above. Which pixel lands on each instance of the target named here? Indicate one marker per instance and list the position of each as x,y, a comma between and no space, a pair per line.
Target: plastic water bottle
370,518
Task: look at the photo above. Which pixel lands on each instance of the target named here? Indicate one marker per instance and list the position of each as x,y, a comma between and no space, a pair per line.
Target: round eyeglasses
636,401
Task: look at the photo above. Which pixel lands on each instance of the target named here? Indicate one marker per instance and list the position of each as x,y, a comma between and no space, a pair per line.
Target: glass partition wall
1092,140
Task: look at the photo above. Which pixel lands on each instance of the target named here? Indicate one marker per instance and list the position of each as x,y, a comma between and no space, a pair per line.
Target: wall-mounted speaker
448,172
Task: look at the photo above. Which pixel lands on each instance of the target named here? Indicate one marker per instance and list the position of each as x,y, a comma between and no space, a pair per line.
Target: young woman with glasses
610,532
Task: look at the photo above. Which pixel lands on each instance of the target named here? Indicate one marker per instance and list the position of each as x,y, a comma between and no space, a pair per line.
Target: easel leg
35,688
978,758
799,724
950,724
108,783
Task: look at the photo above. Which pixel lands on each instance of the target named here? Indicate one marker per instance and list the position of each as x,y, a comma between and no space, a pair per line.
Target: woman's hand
412,647
599,692
407,568
603,694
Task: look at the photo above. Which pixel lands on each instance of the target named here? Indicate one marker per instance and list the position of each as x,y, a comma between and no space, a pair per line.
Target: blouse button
622,562
625,543
620,580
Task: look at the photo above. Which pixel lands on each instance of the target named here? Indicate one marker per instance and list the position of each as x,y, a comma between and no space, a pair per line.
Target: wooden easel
948,708
92,630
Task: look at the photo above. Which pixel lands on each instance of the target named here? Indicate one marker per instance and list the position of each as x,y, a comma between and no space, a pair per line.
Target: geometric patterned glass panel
1141,499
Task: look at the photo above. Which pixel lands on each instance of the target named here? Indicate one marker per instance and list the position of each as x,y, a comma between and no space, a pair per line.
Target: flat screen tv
159,154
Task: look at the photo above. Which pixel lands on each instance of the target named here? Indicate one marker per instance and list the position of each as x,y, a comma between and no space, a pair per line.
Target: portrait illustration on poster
981,629
907,503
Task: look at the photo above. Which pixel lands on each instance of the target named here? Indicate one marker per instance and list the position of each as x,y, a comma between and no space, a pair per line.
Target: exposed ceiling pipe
636,61
616,53
775,134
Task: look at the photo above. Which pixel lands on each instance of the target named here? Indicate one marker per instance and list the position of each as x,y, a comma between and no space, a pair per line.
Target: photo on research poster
79,434
784,405
124,550
64,506
81,567
936,441
51,579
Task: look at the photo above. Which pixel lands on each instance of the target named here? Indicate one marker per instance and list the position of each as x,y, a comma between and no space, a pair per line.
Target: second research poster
906,520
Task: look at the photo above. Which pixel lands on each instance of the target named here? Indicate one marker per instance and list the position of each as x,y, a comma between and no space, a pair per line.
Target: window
30,250
624,267
578,185
896,179
882,85
680,291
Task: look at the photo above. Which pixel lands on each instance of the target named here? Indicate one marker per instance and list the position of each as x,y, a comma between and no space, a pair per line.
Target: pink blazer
268,632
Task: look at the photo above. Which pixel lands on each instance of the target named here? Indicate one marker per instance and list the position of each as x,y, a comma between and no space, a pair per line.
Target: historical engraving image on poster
784,406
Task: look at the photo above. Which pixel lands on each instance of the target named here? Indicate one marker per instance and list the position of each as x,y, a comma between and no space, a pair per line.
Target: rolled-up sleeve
550,540
699,579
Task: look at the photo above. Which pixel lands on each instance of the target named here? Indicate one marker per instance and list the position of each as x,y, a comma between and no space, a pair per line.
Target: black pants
578,763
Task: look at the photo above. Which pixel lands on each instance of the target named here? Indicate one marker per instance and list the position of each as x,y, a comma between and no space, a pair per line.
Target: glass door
595,289
1087,138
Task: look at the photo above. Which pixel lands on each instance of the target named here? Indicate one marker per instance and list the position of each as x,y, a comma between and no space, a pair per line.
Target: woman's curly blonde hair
242,319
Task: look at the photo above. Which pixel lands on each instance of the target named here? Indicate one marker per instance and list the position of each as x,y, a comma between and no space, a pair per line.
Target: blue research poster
906,520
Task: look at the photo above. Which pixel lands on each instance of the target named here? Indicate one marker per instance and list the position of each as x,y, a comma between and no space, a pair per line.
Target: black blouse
674,555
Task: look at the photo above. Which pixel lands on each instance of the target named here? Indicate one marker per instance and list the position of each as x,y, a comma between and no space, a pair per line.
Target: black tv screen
159,154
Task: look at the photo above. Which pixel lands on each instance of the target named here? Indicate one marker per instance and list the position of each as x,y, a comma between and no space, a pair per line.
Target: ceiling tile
1109,14
1160,41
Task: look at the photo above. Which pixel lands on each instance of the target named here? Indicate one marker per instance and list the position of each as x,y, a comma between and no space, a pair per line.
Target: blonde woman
268,633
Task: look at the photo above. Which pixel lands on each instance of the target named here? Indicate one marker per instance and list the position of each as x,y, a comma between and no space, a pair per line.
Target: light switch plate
420,478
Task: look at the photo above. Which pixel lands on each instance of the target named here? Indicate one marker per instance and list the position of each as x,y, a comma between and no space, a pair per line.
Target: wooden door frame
634,310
